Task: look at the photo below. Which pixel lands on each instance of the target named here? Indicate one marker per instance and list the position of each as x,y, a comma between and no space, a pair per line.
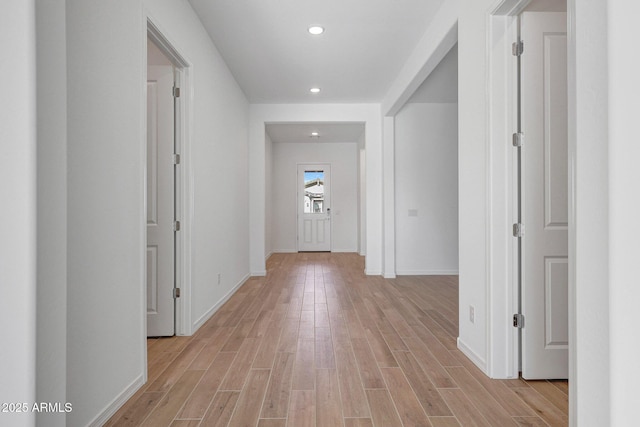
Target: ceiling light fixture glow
315,135
314,90
316,30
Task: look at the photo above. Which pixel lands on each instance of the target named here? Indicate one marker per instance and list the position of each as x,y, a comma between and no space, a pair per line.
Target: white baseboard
206,316
266,258
373,272
132,388
427,272
118,402
473,356
333,250
259,273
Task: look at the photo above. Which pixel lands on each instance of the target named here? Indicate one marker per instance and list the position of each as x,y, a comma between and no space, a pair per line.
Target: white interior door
544,196
160,201
314,208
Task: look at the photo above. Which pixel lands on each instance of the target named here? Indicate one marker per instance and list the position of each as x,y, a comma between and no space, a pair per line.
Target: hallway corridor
318,343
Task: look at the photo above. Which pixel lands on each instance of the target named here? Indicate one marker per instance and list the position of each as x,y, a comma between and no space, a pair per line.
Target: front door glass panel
313,192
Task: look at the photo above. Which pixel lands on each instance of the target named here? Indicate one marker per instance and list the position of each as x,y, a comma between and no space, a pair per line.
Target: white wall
589,234
281,113
472,175
624,209
426,175
105,323
106,164
52,209
441,86
603,107
218,158
427,189
343,158
18,213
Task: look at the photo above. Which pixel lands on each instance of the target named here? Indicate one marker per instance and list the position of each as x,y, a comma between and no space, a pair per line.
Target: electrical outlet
472,314
219,278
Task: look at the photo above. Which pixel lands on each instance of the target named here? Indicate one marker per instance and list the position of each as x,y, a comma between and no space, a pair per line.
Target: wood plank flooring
317,343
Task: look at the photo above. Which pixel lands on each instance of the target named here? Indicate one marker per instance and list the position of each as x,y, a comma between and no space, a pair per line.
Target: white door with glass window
314,208
545,333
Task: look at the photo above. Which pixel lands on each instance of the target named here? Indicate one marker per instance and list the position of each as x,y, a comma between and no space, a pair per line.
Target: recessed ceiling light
314,90
315,134
316,30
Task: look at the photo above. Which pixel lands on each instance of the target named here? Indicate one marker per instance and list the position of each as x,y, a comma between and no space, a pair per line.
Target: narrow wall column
624,208
257,203
51,359
588,233
18,213
389,200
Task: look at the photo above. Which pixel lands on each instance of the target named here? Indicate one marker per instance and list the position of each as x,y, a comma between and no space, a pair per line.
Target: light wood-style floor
318,343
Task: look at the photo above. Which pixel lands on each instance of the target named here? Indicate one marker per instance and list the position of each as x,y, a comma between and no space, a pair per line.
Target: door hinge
518,321
176,292
518,139
176,226
176,159
518,230
176,92
517,48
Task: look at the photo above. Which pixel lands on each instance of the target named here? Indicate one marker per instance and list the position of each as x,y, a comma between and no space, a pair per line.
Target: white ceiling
301,132
266,45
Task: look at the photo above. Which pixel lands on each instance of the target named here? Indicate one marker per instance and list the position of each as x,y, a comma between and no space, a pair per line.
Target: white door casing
160,201
314,208
544,196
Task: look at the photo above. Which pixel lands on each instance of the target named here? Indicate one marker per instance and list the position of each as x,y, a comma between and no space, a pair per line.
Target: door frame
183,176
299,202
503,355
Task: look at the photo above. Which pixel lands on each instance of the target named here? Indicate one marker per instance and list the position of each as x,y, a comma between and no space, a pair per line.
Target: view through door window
313,191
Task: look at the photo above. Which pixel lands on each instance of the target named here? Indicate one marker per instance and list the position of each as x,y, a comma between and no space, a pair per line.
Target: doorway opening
168,189
314,187
425,201
503,291
161,192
